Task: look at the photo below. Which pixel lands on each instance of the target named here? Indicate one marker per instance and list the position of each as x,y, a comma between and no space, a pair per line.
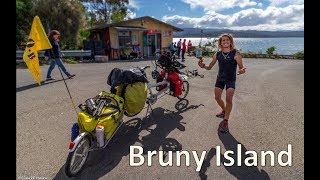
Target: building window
124,39
166,33
134,39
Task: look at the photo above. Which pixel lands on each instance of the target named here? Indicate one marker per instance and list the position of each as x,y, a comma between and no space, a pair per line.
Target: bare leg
229,96
217,94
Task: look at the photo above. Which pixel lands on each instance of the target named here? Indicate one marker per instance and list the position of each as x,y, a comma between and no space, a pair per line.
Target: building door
154,43
151,44
158,42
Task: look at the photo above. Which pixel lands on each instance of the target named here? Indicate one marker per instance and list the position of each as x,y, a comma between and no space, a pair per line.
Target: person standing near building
183,49
189,47
108,49
172,49
137,49
228,58
178,48
55,55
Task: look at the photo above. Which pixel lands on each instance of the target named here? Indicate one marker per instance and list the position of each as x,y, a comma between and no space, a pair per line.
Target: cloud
272,18
130,15
267,27
219,5
169,7
134,4
278,3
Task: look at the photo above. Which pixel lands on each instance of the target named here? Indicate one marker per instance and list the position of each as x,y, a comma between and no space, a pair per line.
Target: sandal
223,127
221,114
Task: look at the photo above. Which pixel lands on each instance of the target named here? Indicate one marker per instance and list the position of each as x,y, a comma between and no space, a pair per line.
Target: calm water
284,46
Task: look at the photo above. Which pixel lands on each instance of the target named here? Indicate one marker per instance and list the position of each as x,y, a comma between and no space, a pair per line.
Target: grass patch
70,60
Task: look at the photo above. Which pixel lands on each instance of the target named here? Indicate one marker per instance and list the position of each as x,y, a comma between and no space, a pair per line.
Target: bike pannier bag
135,96
160,79
87,122
176,88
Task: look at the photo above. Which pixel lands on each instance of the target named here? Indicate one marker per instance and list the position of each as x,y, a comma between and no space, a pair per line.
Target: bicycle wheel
78,157
185,90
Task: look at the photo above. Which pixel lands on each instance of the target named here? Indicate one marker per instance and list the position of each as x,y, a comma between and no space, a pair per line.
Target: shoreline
283,45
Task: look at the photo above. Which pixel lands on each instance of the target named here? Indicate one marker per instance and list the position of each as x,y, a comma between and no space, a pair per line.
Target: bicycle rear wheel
184,89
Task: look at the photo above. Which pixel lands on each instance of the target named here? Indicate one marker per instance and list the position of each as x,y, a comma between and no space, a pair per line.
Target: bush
70,60
299,55
248,55
271,50
70,46
207,51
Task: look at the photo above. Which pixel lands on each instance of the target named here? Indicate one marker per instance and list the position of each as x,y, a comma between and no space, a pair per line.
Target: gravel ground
267,115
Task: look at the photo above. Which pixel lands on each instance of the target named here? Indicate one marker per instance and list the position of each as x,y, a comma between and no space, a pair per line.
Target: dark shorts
228,84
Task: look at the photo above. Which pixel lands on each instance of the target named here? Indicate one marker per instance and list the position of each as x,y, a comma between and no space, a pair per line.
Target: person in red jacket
189,47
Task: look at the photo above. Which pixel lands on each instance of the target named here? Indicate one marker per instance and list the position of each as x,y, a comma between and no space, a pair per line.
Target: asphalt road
268,114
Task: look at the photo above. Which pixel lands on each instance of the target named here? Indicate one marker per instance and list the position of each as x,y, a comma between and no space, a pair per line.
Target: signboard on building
166,33
153,31
123,33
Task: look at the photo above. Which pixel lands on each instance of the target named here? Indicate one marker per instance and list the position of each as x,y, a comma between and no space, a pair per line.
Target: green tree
105,11
118,15
23,20
66,16
84,34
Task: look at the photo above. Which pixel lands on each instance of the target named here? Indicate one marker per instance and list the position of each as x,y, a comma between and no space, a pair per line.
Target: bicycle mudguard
183,77
77,140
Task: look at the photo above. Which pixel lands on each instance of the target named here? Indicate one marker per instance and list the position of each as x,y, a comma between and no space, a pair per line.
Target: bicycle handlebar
145,67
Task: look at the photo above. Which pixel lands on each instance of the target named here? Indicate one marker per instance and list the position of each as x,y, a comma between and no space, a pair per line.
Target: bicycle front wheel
78,157
184,89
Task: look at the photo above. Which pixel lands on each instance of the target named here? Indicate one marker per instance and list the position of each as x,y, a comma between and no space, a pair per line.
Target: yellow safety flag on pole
38,40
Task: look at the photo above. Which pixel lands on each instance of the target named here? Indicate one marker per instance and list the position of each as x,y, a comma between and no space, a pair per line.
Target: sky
268,15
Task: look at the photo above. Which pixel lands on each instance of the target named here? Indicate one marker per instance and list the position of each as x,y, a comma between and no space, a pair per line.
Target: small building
149,33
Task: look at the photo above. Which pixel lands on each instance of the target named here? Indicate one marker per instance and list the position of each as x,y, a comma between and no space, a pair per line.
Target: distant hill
195,32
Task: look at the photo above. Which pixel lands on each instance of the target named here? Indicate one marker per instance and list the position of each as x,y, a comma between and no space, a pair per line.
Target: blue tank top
227,66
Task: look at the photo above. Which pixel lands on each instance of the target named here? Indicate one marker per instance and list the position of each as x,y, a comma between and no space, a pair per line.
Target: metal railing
66,53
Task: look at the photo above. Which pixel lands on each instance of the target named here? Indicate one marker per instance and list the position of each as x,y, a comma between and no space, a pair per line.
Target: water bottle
74,131
100,135
91,105
199,53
